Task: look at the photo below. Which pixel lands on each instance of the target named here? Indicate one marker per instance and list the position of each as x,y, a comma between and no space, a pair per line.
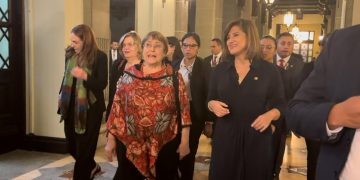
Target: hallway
25,165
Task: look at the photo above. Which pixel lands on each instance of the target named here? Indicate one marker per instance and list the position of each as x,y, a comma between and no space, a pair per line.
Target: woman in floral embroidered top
143,116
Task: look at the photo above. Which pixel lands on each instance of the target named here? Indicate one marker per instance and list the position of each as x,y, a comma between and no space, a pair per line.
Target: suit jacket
111,62
97,81
208,60
199,83
292,75
335,78
117,70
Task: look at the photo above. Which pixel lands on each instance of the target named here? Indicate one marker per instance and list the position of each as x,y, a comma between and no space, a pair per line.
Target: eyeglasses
155,46
267,47
129,45
191,46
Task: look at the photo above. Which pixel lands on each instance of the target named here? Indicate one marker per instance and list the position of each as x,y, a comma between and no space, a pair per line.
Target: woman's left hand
183,150
261,122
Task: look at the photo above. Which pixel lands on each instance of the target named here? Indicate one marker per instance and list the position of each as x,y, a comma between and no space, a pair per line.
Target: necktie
282,63
114,55
213,62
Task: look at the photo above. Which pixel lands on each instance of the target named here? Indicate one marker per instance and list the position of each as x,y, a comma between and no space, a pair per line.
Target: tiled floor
295,156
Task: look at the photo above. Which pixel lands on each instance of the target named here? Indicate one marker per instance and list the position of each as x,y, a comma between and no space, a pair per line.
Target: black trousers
82,147
186,165
279,140
313,148
166,163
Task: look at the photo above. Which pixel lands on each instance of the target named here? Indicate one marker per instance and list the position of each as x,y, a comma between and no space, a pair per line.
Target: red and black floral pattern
143,115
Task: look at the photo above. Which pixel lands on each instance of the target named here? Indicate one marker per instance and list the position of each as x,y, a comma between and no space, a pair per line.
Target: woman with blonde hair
130,51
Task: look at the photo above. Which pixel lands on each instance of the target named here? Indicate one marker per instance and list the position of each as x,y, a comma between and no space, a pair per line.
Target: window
304,43
4,35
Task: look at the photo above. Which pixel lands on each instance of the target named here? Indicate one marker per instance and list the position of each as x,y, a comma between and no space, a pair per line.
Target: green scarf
82,97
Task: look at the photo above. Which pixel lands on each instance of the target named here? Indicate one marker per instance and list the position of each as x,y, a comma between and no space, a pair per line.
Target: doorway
12,75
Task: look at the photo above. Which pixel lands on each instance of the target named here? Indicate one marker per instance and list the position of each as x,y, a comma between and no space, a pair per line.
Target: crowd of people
163,96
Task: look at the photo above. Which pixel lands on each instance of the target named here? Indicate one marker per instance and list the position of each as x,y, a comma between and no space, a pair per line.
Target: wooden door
12,75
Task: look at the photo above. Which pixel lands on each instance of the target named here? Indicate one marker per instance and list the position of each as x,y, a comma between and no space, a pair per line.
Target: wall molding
44,144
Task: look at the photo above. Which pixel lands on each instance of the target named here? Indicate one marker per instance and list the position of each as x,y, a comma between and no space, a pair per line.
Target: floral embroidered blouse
143,114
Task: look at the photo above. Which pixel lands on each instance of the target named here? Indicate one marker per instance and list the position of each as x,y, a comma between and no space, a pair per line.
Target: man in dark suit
291,67
114,53
216,51
326,107
195,73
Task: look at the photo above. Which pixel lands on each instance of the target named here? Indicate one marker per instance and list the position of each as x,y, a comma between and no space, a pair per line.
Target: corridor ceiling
301,6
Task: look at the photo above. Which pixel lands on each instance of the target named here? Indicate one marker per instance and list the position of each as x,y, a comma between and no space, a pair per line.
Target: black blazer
111,62
199,83
97,81
117,70
335,78
208,60
292,76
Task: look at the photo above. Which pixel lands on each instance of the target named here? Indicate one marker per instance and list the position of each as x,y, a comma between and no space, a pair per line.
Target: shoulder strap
177,100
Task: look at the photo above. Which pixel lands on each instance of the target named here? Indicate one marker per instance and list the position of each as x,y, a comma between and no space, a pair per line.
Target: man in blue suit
327,106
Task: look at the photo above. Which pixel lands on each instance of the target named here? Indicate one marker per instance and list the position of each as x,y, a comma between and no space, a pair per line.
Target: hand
183,150
110,147
79,73
345,114
261,122
297,135
219,108
208,130
273,128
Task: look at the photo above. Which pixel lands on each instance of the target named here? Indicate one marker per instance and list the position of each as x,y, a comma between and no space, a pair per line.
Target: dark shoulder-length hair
194,35
174,41
88,53
252,37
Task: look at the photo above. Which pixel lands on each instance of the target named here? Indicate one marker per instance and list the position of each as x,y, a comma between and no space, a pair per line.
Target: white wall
205,24
73,15
356,12
101,10
45,65
154,15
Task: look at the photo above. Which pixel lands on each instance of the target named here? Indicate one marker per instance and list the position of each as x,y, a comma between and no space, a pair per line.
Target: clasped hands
220,109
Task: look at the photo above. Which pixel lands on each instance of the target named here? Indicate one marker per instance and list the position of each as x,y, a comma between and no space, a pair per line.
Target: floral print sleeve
117,113
184,103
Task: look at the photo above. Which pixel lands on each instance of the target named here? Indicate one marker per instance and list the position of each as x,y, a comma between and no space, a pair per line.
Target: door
12,75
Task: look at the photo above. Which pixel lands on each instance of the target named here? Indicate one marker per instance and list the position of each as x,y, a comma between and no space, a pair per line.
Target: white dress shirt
185,72
113,54
218,56
352,164
286,60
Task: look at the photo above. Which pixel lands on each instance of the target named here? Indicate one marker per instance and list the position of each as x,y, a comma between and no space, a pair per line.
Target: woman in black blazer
81,99
195,73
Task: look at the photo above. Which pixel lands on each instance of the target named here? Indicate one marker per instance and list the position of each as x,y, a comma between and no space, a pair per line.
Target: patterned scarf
82,96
